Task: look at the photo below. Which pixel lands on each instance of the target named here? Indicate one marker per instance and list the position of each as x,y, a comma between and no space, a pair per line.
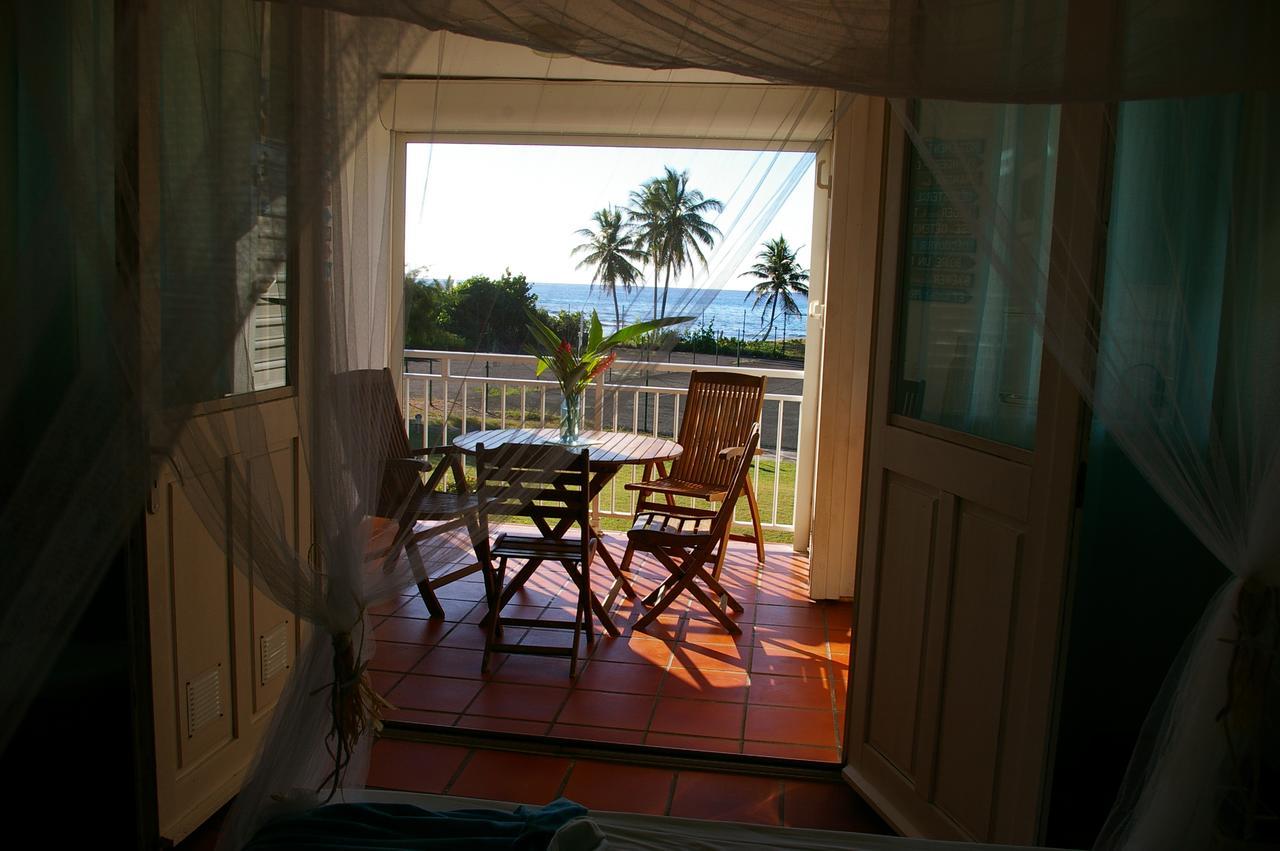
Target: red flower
603,365
565,347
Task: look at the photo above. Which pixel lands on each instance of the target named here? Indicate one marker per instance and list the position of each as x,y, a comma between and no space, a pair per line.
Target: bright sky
479,209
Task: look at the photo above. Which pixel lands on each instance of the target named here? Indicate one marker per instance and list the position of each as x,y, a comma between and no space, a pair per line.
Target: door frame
856,216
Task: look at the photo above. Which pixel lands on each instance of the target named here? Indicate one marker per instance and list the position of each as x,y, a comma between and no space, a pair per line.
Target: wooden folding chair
551,486
685,540
405,498
720,411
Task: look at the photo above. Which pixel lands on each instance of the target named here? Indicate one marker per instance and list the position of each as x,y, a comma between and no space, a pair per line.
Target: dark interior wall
75,768
1142,580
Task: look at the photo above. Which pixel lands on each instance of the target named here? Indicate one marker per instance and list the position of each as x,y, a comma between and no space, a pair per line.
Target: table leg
602,474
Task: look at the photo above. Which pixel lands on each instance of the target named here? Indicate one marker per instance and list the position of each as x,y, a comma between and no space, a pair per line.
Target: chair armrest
448,449
420,465
735,451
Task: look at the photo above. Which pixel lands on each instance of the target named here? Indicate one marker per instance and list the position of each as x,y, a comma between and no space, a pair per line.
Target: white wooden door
973,442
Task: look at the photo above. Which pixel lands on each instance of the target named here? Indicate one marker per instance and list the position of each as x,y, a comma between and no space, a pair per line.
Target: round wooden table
608,452
613,449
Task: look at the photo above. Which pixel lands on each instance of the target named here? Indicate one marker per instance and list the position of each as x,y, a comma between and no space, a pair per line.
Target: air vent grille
275,652
204,700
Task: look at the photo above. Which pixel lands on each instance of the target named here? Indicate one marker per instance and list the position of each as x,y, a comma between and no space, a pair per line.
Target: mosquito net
227,223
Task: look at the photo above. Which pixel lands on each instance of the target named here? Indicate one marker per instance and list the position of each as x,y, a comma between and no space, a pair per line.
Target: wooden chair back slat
385,441
533,480
720,411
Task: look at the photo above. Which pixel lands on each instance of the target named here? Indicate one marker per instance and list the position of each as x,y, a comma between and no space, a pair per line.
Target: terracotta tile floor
620,787
778,690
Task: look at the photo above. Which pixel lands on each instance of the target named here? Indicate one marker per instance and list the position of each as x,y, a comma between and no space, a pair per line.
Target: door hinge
157,457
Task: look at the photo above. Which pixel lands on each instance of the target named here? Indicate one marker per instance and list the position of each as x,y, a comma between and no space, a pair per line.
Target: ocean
729,311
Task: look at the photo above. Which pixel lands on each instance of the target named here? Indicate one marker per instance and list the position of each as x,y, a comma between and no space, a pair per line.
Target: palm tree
669,223
778,275
610,249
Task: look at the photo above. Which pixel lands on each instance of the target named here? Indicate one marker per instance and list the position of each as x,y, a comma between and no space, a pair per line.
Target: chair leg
658,592
429,597
725,598
724,550
714,608
755,520
495,617
583,616
627,555
685,574
578,580
480,545
678,584
517,582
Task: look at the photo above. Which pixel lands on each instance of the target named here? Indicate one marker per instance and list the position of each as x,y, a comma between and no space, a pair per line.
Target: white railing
449,399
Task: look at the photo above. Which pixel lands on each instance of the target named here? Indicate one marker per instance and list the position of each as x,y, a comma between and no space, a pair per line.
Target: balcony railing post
444,421
597,409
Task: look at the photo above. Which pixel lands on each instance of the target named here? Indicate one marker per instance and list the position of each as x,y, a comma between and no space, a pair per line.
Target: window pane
968,353
222,134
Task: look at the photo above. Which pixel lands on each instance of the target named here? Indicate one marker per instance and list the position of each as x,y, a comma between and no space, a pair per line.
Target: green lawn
617,498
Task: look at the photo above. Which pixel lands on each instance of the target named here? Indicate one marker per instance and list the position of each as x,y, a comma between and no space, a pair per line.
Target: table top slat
614,447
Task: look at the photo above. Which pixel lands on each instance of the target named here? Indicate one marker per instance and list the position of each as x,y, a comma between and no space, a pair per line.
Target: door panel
273,632
910,523
970,472
201,594
986,563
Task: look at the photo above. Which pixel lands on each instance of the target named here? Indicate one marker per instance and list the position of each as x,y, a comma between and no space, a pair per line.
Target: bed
609,830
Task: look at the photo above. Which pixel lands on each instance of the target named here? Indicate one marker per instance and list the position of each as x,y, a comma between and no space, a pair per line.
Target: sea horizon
730,312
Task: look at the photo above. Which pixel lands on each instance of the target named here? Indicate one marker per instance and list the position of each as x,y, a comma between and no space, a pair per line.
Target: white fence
457,394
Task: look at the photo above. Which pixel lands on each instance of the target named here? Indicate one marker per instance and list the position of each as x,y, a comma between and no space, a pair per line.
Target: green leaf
548,337
623,335
541,367
596,334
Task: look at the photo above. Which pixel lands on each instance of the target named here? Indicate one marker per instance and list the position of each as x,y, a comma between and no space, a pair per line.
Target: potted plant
574,370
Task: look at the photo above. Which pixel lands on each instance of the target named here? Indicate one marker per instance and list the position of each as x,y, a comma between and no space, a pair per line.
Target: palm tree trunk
655,290
617,314
666,283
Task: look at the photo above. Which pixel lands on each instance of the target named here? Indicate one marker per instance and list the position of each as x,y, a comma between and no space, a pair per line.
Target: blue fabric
355,827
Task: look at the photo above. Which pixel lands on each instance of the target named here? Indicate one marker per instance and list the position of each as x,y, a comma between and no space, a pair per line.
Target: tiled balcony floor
619,787
777,690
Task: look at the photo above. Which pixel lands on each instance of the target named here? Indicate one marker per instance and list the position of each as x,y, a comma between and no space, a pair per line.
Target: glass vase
571,417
